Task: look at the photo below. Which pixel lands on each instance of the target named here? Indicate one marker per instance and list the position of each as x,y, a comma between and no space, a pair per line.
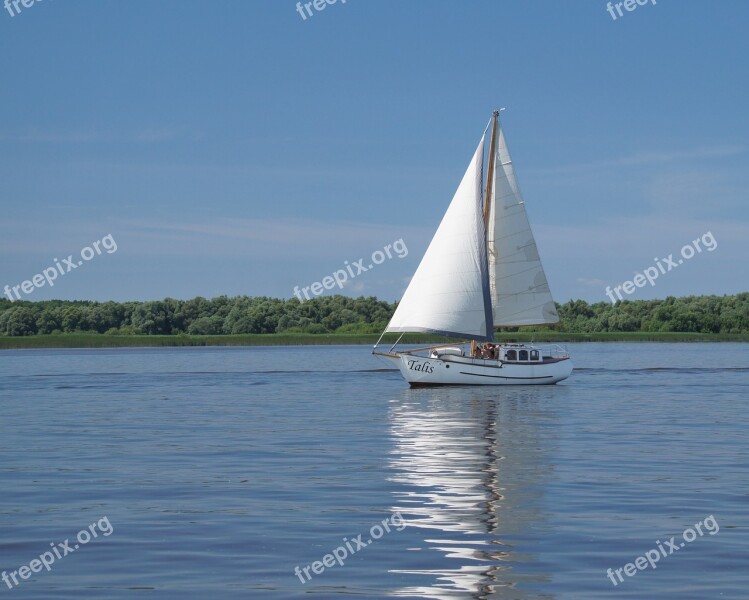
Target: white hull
453,370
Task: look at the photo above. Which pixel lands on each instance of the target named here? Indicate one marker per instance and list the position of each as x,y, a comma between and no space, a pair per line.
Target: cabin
520,354
506,353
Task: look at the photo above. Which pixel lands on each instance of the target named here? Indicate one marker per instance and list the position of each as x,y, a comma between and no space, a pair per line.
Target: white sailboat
481,270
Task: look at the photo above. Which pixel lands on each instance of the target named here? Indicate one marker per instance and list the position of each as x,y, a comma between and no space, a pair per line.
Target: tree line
341,314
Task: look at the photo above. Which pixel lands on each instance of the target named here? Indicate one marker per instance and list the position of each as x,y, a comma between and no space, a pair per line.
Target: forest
342,314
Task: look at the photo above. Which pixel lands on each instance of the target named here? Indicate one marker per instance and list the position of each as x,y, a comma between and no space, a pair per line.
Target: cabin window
511,355
523,355
534,355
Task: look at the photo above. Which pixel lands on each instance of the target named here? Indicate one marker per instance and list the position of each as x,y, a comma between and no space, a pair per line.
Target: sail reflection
471,471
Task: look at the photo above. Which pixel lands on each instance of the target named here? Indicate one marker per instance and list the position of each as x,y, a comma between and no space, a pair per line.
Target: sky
234,147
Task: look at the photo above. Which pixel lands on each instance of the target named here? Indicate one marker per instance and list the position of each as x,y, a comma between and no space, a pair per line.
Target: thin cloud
596,283
222,237
300,233
643,159
147,136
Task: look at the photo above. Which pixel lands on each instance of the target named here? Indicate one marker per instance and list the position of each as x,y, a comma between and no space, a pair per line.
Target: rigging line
487,125
396,341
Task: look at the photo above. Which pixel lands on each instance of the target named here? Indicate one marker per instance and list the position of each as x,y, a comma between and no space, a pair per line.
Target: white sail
449,293
519,289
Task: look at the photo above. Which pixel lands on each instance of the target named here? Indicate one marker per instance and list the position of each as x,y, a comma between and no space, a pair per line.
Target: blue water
221,470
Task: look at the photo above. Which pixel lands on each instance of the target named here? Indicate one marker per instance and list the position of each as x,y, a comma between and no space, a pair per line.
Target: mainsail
519,289
449,293
482,267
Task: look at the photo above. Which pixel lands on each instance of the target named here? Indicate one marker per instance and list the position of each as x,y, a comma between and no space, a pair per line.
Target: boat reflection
471,471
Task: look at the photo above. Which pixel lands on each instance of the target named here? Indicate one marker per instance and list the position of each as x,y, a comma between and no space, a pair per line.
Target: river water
225,472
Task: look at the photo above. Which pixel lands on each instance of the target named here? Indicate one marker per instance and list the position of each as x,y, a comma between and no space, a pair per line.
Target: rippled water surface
221,470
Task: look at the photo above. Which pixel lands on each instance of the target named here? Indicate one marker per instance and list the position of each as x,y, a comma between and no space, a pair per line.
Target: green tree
19,321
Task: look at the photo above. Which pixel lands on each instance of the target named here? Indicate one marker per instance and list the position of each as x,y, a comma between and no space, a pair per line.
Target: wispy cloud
595,283
616,238
147,136
645,158
355,286
303,235
263,239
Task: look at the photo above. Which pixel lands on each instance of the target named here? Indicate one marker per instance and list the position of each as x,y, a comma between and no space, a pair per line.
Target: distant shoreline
98,340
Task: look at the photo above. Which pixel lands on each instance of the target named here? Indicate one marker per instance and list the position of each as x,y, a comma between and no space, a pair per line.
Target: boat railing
554,350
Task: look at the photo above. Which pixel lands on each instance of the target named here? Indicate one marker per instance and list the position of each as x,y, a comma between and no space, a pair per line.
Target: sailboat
481,270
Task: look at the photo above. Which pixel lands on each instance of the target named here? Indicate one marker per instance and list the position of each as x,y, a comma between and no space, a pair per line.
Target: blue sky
232,147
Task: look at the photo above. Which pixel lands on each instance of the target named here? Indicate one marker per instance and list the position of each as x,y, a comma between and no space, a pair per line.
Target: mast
488,204
490,170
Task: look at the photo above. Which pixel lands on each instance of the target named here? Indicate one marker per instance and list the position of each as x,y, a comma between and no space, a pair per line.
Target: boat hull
422,371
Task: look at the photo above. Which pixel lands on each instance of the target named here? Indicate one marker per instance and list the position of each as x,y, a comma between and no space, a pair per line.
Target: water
220,470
